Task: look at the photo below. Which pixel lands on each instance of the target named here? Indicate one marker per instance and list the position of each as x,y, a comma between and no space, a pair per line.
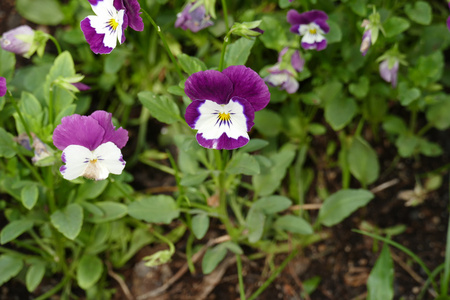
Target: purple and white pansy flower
224,105
285,78
3,88
107,27
389,70
91,146
312,25
194,19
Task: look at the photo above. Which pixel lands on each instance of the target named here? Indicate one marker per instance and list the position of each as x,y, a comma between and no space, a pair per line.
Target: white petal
104,8
77,160
208,124
109,159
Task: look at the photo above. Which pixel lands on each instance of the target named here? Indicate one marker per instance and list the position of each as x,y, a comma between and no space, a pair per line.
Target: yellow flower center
93,161
113,24
312,30
224,116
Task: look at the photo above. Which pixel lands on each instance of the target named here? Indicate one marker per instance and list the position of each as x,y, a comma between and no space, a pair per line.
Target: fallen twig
120,281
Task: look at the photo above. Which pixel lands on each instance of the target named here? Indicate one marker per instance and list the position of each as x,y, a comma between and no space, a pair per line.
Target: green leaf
7,64
380,285
340,111
200,225
272,204
335,34
14,229
359,7
89,271
7,143
437,114
238,52
68,220
429,69
34,275
360,89
420,12
268,122
29,195
254,145
243,163
164,109
212,257
395,25
255,224
395,125
44,12
341,204
154,209
407,144
111,211
274,36
194,179
233,247
91,189
363,161
294,224
191,64
10,266
407,95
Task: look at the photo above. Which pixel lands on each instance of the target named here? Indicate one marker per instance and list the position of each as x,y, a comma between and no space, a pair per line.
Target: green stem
166,46
225,14
22,119
190,263
31,168
51,190
241,279
404,249
164,239
221,186
158,166
226,41
274,275
425,128
58,48
121,189
15,253
41,244
54,290
50,106
413,120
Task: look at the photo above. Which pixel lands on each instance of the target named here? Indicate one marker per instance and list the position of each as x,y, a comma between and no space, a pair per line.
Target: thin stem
166,46
221,182
274,275
404,249
158,166
54,290
22,119
51,190
32,168
190,263
121,189
446,277
225,14
58,48
241,279
226,41
164,239
15,253
50,106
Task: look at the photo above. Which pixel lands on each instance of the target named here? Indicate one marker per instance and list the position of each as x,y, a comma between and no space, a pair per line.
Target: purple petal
282,53
448,21
81,86
118,137
322,23
295,29
295,18
94,39
224,142
249,85
297,61
132,9
78,130
318,46
209,85
192,112
194,20
3,88
291,85
11,43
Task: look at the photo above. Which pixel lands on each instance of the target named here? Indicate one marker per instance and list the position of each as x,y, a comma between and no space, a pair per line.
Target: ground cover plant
185,141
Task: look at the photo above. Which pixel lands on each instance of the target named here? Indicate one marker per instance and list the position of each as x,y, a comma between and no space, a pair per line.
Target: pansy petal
78,130
214,131
118,137
448,22
209,85
294,17
77,160
110,159
322,23
249,85
290,85
2,86
297,61
132,8
94,39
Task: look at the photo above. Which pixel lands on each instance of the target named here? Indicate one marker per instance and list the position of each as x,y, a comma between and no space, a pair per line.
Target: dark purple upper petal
78,130
2,86
296,18
322,23
209,85
118,137
94,39
132,9
249,85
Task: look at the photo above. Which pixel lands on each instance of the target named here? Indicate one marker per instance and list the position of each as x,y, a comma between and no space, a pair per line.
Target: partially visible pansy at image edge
193,19
285,78
224,105
2,86
312,25
448,19
17,40
107,27
91,146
